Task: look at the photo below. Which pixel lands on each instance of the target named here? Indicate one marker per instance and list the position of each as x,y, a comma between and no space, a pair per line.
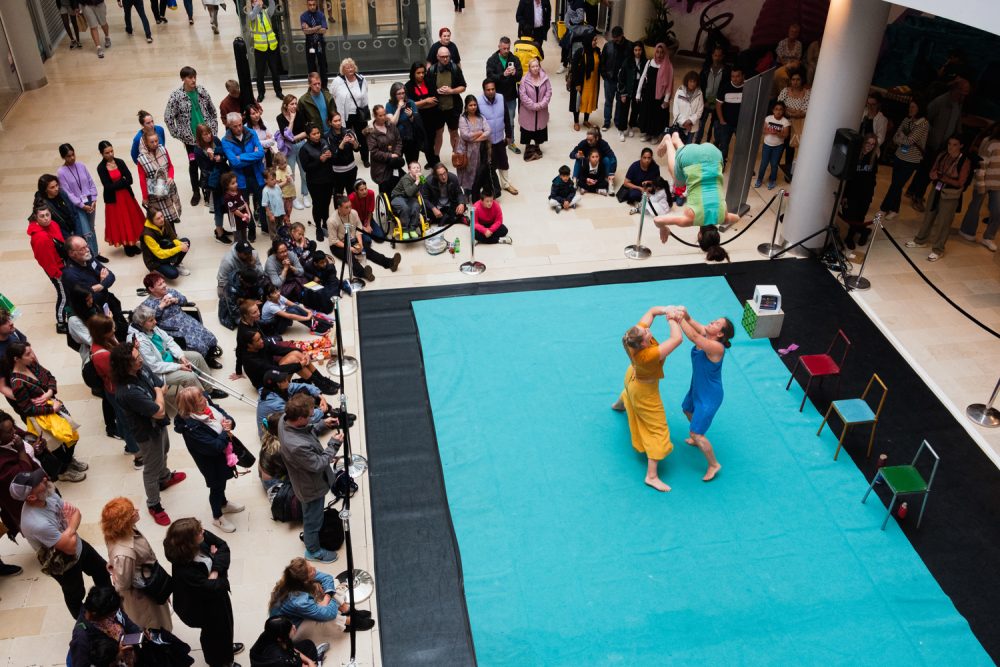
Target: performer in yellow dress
641,397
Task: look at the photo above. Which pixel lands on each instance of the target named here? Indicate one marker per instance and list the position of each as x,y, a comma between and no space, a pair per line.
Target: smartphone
133,639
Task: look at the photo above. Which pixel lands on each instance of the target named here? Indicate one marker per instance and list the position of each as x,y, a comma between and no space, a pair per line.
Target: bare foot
691,442
657,484
619,405
712,472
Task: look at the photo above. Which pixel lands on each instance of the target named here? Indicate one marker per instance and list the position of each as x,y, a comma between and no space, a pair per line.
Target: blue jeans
610,95
293,162
130,445
723,135
511,106
770,156
85,228
312,521
127,7
218,208
169,267
610,163
970,223
901,172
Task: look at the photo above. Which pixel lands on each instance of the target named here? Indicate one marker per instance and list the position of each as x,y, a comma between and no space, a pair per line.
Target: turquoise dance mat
569,559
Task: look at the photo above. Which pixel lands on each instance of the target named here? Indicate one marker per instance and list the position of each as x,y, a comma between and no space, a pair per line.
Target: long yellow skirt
646,420
589,94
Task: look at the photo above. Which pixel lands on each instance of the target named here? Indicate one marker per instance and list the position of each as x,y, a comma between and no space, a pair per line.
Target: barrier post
342,362
767,249
985,414
472,267
637,250
858,282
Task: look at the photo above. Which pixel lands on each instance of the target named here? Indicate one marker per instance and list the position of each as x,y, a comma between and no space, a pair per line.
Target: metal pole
357,284
767,249
347,365
472,267
985,415
637,250
858,282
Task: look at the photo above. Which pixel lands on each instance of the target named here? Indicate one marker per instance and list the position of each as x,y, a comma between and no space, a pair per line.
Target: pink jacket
488,218
533,112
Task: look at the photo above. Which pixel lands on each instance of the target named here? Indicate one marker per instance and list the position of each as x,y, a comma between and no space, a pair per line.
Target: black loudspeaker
844,154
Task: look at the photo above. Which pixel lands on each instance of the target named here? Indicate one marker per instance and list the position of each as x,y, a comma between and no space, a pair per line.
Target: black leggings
72,29
343,182
71,581
355,123
321,194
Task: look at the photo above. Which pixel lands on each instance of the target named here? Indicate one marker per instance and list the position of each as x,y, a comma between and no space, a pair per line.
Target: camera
351,417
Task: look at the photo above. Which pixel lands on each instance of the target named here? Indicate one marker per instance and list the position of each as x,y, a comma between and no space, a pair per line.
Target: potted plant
659,28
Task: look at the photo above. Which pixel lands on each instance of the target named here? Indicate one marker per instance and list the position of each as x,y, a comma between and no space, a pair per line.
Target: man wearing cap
49,523
277,389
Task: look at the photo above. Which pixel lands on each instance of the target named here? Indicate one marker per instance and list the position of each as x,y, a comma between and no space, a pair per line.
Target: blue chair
854,411
906,481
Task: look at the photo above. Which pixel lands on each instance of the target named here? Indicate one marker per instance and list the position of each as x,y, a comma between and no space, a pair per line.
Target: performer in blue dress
705,395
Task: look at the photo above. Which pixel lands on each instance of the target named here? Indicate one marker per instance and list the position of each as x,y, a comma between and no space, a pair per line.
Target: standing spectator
188,107
505,70
944,113
525,49
405,116
585,82
139,392
727,111
51,194
426,103
212,165
796,99
200,571
535,93
95,12
246,156
350,92
385,147
627,116
162,251
123,219
812,59
344,143
102,341
489,220
688,106
533,18
274,205
910,140
653,94
710,80
48,247
315,157
575,17
67,12
49,523
314,27
614,54
146,122
443,197
254,120
213,13
873,121
444,39
79,188
290,141
130,558
156,176
237,208
159,8
314,107
776,129
265,45
309,468
988,187
790,48
232,102
493,106
85,272
949,173
446,84
859,192
474,144
208,434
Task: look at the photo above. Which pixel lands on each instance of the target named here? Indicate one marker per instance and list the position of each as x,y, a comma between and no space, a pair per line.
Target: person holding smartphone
102,618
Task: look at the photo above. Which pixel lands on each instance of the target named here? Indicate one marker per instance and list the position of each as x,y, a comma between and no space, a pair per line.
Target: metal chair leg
840,442
888,514
805,395
792,376
825,418
871,439
870,487
923,506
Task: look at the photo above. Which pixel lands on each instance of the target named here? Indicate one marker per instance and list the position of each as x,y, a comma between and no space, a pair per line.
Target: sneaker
215,29
100,52
561,70
557,209
605,127
223,524
989,243
77,464
933,257
190,21
506,240
159,515
72,476
360,623
62,328
297,204
771,185
174,479
137,462
633,210
321,556
7,570
913,244
107,42
321,650
603,192
621,136
224,238
631,132
149,40
968,237
514,149
757,184
113,435
183,270
891,215
320,233
237,649
232,508
307,201
395,262
369,274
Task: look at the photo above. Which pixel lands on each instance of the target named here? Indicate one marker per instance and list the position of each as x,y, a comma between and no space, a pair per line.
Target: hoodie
47,244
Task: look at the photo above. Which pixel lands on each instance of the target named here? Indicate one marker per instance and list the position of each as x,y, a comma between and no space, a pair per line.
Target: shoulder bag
364,112
157,584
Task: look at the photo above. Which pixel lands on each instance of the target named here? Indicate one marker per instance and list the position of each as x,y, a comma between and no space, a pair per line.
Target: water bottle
456,246
364,258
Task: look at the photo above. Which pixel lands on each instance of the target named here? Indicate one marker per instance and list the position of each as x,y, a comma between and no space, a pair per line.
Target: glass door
10,82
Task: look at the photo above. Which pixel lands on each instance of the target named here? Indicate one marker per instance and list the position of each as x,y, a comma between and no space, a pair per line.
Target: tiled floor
88,100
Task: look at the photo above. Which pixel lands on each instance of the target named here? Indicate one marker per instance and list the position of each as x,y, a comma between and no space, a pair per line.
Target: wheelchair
392,226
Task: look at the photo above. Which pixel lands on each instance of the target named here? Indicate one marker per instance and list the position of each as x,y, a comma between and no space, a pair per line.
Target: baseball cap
243,247
272,378
24,482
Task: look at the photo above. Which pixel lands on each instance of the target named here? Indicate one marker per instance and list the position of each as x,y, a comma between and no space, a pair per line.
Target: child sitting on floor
593,175
563,195
278,313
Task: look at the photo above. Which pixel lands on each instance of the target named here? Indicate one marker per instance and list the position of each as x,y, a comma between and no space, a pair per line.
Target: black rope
935,287
742,231
423,238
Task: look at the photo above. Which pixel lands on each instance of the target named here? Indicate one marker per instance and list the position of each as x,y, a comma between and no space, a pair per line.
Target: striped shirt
991,163
911,138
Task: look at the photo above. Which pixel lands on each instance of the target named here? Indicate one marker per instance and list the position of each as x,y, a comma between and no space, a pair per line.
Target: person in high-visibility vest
265,45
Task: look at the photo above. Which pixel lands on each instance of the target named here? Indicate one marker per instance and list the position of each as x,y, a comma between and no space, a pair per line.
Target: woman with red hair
130,559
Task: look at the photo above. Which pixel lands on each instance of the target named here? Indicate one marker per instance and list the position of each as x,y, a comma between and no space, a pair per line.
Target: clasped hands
676,313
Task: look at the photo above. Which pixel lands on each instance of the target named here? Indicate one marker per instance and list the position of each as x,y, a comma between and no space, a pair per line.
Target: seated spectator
405,203
275,391
489,220
258,356
444,198
207,430
163,356
101,617
299,243
245,285
285,271
162,251
277,313
270,466
240,256
582,151
363,202
594,176
563,195
640,178
659,199
200,572
130,557
343,216
166,302
320,269
277,646
305,594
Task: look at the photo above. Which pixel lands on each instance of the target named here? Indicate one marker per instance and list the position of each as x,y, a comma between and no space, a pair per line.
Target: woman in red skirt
123,219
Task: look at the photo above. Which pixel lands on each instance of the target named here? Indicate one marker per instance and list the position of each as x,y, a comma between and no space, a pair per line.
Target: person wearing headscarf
653,94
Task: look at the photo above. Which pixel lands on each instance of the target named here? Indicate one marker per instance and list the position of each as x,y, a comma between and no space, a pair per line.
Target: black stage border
423,619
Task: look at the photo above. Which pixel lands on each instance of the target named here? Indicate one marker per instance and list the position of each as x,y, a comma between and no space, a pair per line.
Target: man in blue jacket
246,156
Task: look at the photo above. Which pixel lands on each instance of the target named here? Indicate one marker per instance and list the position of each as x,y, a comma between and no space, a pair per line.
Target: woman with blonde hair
130,560
641,398
307,598
350,92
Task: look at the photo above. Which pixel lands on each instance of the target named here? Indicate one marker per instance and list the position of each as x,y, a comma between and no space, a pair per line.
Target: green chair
854,411
906,481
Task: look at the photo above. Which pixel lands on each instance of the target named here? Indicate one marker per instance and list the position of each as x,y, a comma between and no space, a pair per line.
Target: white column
634,22
851,42
23,44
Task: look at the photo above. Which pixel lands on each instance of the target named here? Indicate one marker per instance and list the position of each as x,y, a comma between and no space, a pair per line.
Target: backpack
331,533
285,506
343,485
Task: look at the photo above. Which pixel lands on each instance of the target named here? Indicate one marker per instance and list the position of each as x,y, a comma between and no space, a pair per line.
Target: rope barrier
742,231
935,287
423,238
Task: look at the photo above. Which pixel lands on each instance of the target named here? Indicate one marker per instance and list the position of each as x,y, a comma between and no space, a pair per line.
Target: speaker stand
832,244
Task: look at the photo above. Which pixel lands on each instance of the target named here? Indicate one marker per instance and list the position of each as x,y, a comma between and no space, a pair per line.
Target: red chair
822,365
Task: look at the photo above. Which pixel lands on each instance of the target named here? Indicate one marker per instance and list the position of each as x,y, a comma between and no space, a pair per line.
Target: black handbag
244,457
157,584
364,112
